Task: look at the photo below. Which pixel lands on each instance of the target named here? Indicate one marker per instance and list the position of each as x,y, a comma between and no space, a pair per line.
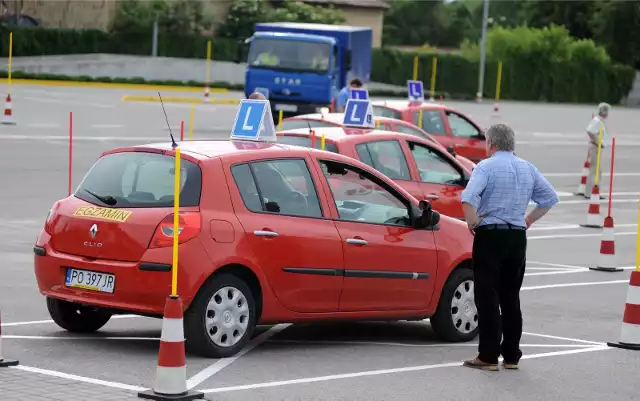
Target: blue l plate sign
358,113
416,91
253,121
360,94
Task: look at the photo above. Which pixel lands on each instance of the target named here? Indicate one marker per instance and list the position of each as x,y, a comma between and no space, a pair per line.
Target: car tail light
51,218
188,228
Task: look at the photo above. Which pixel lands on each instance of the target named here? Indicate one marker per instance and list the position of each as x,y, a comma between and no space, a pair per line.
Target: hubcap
227,317
464,313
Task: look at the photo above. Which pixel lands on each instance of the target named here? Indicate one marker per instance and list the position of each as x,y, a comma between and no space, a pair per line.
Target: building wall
367,17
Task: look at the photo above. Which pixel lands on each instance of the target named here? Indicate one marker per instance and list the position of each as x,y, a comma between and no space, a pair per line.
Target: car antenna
173,141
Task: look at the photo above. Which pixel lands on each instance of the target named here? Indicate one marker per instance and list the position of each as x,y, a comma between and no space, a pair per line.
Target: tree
615,26
575,15
244,14
179,17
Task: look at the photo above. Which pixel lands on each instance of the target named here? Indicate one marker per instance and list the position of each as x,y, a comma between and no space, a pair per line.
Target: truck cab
304,66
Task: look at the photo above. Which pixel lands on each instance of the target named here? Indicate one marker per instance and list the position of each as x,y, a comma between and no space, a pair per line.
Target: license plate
287,107
89,280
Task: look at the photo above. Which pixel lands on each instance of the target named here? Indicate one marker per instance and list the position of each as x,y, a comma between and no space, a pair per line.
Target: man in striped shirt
495,202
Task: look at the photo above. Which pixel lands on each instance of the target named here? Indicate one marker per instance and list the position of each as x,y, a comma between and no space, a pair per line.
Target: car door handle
355,241
262,233
433,196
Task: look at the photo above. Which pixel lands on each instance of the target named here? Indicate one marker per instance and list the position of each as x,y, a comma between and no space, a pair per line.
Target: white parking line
43,125
107,126
16,337
223,363
381,372
144,139
556,265
575,235
83,379
576,340
32,322
604,174
572,227
586,201
542,287
393,344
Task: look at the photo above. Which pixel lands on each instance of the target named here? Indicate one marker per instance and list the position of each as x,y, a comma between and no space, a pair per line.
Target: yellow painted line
177,99
112,85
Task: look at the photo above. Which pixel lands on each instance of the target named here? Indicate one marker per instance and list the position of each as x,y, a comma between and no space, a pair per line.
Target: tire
464,327
77,318
206,342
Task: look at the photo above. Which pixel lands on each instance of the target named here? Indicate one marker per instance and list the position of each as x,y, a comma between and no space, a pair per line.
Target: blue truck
304,66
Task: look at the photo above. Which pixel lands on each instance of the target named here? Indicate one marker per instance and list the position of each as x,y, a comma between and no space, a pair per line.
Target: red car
422,168
447,125
253,249
385,123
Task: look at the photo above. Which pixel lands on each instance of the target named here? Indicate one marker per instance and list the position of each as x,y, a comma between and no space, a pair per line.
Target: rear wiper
107,200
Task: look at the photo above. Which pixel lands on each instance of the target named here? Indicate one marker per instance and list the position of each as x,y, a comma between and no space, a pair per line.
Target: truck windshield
290,55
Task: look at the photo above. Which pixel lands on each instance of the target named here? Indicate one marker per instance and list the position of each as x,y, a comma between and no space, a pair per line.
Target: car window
405,129
431,121
460,126
381,111
433,166
306,141
281,186
138,179
359,196
300,123
386,157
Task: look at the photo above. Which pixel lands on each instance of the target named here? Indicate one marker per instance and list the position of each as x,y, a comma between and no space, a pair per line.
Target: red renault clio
254,249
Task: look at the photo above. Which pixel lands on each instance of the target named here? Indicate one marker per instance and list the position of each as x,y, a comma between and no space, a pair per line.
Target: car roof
205,149
336,118
339,134
406,104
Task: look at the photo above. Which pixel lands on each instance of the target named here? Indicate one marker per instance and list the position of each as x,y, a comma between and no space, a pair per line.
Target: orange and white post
207,81
171,373
7,118
434,72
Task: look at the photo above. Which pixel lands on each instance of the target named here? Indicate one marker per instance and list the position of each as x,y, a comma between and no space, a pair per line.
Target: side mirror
451,151
240,46
427,216
347,59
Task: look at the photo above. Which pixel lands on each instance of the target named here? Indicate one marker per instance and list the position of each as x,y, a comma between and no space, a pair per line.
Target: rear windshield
380,111
295,124
138,179
306,141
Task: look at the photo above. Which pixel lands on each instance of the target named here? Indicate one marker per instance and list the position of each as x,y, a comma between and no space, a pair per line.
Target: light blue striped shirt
501,187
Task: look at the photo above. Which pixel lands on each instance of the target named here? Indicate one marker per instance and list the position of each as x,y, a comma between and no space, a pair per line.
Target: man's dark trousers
499,258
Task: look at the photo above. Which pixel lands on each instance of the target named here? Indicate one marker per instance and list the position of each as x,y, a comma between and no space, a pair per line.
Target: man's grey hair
604,108
257,95
502,137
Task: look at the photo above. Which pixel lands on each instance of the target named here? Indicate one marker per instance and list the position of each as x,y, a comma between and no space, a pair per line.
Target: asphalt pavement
570,312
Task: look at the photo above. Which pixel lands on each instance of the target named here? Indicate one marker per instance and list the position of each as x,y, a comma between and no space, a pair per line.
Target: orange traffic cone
607,260
594,220
7,119
583,180
5,363
496,107
171,374
630,332
441,99
206,93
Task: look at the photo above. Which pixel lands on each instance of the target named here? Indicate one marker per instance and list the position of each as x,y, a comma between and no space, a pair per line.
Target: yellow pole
322,142
499,80
598,157
420,119
280,119
208,72
434,69
638,242
416,60
10,61
176,225
193,107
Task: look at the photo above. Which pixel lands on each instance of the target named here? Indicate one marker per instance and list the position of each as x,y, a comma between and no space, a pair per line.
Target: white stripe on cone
630,333
1,358
172,331
608,234
581,189
594,220
607,261
171,380
633,295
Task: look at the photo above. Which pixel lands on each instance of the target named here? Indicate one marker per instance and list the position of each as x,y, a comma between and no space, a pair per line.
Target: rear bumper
140,287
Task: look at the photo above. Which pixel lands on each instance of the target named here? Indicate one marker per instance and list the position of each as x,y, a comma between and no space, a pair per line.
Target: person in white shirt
593,131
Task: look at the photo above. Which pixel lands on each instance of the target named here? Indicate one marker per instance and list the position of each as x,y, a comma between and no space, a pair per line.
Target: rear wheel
221,319
77,318
456,318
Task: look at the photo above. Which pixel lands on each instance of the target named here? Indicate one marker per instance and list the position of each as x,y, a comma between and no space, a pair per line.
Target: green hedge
523,78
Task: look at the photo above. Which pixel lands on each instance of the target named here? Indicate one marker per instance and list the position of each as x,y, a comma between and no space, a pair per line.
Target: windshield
300,123
138,179
381,111
290,55
306,142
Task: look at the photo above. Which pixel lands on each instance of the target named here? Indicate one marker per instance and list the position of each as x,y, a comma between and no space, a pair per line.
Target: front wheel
456,319
77,318
222,318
